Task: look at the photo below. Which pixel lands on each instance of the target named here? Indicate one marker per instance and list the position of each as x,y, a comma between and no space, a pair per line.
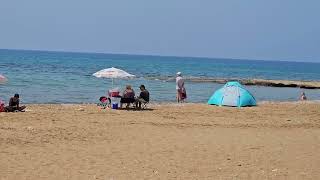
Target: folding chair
144,105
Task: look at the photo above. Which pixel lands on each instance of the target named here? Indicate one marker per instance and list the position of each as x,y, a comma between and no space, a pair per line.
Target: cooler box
114,105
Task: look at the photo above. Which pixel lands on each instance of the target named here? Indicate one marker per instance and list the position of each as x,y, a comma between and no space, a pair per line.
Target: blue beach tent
232,94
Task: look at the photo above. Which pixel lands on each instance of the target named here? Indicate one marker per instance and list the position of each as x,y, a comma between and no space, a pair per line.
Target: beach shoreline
174,141
174,103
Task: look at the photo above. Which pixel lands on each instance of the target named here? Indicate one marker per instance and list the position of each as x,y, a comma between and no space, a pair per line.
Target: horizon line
157,55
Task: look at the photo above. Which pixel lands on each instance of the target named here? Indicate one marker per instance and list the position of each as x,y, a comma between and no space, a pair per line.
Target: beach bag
183,93
114,92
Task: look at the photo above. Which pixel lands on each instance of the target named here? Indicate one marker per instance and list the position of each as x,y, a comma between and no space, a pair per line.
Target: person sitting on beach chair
104,102
143,98
127,97
14,105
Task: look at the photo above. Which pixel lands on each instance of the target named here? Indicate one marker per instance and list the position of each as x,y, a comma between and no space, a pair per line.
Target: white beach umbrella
113,73
3,79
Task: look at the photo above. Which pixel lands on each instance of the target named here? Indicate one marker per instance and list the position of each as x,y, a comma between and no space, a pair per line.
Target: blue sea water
65,77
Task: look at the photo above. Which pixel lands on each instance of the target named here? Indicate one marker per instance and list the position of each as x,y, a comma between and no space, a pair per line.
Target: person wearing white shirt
181,91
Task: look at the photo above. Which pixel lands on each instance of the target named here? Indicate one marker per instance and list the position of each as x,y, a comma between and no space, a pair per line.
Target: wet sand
187,141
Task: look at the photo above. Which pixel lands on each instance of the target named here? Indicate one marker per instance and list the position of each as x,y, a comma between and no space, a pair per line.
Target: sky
241,29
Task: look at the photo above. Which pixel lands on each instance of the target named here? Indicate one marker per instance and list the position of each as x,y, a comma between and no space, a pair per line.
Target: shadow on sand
135,109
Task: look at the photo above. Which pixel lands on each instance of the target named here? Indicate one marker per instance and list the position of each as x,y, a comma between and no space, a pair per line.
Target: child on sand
104,102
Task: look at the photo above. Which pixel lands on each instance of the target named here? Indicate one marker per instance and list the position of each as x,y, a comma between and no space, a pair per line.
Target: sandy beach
186,141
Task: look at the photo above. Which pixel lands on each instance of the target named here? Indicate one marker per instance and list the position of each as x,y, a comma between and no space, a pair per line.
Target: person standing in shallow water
181,90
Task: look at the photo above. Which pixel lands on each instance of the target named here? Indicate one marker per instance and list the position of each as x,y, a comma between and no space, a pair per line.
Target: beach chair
144,105
127,101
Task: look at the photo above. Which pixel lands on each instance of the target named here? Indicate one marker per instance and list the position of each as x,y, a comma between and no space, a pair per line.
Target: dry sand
188,141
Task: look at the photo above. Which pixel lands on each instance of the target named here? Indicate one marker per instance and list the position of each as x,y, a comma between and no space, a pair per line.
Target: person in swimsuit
14,104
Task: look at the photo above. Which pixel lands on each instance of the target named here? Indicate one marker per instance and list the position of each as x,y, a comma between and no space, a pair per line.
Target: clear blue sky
245,29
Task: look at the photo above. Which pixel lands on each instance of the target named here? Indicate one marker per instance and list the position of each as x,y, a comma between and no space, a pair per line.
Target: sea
66,77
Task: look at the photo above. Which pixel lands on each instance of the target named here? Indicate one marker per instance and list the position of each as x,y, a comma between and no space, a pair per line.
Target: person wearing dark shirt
143,97
14,104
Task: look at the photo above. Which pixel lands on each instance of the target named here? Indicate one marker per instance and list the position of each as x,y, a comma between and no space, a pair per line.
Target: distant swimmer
303,96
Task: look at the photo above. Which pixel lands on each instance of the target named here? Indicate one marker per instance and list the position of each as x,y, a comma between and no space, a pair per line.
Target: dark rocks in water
308,87
252,82
282,83
275,83
269,84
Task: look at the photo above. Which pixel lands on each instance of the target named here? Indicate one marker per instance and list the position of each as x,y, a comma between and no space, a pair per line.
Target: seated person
128,96
104,102
143,97
14,104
